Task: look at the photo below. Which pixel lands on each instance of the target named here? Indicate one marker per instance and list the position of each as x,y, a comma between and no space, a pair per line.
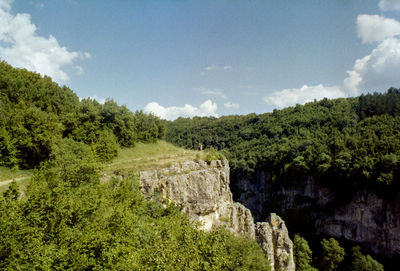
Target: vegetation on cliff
331,256
353,140
37,113
68,217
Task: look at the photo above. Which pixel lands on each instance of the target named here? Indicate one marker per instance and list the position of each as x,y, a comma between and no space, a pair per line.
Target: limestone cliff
365,217
274,239
202,192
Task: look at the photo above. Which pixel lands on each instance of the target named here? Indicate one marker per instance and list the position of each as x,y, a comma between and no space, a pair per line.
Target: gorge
202,192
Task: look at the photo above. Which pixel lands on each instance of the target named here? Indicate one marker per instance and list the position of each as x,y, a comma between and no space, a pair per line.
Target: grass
141,157
9,174
22,177
149,156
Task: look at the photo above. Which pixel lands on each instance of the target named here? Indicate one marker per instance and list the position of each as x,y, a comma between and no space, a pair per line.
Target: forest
345,144
67,218
37,113
354,140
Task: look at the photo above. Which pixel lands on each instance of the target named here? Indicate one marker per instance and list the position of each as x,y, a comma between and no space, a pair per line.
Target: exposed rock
202,192
365,217
273,238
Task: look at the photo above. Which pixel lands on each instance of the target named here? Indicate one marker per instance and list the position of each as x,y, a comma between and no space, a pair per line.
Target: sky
209,57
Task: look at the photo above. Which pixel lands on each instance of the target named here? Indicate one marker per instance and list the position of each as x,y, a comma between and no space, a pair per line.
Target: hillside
329,168
67,210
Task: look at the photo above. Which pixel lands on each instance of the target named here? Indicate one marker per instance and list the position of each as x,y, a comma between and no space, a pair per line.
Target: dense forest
345,144
353,140
37,113
67,218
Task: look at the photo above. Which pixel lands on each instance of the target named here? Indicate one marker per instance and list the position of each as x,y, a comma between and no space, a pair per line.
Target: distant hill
356,139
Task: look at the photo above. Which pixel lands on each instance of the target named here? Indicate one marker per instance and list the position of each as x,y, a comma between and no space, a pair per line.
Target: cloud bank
288,97
386,5
375,72
208,108
20,46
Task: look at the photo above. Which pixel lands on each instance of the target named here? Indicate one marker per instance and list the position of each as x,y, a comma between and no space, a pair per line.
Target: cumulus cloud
230,105
376,28
214,92
292,96
208,108
387,5
376,71
20,46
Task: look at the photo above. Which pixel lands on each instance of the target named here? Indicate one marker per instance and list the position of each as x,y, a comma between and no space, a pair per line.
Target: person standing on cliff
200,147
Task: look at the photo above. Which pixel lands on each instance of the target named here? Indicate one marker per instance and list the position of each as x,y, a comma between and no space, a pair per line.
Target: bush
364,262
106,147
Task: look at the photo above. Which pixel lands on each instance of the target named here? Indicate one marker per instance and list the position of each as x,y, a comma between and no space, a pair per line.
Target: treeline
36,113
331,256
68,220
355,139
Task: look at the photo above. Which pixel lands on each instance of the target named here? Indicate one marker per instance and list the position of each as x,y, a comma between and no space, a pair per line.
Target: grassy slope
141,157
150,156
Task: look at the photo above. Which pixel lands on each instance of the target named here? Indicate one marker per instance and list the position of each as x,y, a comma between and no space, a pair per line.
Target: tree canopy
353,140
37,113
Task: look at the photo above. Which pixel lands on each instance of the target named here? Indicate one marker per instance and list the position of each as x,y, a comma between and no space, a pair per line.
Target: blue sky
186,58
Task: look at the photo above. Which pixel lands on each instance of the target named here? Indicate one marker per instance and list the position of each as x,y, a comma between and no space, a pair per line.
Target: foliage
36,113
363,262
106,146
212,154
331,255
302,254
343,141
69,220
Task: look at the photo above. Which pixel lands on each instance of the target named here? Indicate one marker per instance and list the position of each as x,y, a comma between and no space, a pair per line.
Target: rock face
274,239
365,217
202,192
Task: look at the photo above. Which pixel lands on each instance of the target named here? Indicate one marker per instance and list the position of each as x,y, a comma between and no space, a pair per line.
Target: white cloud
20,46
208,108
211,68
230,105
214,92
376,28
376,71
5,5
216,68
386,5
288,97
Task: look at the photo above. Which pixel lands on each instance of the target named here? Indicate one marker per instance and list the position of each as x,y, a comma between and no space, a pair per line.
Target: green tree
302,254
106,147
363,262
331,255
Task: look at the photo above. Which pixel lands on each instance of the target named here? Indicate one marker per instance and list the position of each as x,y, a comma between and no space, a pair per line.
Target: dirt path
6,182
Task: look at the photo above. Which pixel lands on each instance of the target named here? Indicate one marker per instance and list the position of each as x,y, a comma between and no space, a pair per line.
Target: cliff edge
202,192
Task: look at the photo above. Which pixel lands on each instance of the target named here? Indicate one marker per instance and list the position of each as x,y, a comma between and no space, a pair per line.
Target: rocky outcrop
274,239
202,192
367,219
364,217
